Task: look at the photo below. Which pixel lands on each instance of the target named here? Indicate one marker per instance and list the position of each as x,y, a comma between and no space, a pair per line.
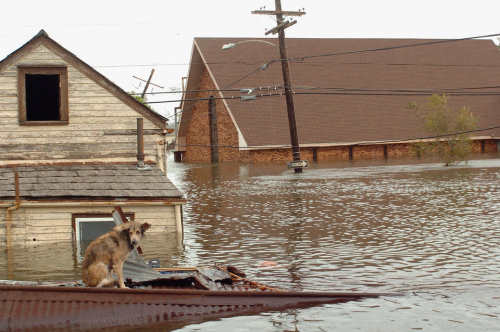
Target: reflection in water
345,228
425,230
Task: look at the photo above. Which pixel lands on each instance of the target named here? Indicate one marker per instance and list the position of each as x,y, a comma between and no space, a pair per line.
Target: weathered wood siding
101,127
32,225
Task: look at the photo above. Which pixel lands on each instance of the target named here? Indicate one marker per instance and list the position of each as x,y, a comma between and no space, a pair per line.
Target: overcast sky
122,39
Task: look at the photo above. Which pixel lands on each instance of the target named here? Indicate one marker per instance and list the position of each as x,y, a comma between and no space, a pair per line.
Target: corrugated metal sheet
169,295
48,307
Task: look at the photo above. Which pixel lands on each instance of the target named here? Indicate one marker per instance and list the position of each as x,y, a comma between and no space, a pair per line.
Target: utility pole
148,82
297,164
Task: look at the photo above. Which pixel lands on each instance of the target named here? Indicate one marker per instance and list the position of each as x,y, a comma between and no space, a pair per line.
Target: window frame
63,93
77,218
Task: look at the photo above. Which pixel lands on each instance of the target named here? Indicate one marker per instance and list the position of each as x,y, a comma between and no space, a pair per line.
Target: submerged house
72,146
351,96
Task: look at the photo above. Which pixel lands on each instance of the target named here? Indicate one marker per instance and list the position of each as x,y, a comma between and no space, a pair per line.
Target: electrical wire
302,58
433,42
358,92
276,87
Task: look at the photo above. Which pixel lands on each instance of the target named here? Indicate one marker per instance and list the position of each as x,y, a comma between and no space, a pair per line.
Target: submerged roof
348,90
87,182
42,38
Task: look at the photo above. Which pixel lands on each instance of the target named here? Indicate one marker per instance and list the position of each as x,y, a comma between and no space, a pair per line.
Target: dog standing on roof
108,252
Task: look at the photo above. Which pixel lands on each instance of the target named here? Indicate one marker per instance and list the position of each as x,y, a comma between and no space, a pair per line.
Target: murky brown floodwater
430,232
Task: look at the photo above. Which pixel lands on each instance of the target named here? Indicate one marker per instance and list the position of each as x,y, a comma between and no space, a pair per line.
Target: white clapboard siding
47,224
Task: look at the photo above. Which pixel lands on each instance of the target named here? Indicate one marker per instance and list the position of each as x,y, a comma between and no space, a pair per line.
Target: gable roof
42,38
94,182
357,94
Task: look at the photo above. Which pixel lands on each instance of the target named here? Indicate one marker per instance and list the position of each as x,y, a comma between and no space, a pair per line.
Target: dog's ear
125,232
145,226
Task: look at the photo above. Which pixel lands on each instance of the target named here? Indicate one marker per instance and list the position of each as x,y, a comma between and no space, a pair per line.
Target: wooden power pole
148,82
297,164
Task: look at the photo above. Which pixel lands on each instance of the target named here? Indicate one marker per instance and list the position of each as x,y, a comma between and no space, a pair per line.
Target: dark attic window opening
42,97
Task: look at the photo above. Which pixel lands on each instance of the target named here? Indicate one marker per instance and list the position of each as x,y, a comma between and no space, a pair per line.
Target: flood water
424,230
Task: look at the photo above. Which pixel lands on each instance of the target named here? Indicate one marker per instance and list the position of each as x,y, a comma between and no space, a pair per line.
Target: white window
87,228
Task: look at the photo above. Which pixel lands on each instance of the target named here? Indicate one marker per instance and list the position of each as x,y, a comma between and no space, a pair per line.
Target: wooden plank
7,87
87,85
42,62
81,126
77,94
75,107
70,155
35,230
60,220
85,148
43,237
9,107
9,100
105,99
77,80
76,140
8,75
15,134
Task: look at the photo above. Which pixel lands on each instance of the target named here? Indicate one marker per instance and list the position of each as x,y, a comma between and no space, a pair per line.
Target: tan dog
108,252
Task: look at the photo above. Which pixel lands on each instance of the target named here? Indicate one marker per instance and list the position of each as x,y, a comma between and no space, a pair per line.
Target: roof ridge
42,32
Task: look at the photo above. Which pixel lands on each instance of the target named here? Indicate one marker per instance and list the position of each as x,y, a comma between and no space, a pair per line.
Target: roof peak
42,33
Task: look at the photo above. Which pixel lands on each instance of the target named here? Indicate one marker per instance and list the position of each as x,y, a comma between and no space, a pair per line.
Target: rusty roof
87,181
179,295
366,86
175,294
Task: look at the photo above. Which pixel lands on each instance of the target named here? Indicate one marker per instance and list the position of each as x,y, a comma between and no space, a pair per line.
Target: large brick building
351,96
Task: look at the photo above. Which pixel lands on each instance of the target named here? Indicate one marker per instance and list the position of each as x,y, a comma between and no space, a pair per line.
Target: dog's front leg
119,274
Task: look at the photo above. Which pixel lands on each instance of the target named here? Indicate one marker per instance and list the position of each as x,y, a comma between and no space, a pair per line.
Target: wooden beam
274,12
283,25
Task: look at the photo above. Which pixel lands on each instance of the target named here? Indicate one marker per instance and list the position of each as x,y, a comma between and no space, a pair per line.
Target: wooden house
351,96
72,146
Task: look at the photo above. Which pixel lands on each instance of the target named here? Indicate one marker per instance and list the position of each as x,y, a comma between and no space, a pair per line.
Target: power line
433,42
302,58
395,64
276,87
358,92
249,74
399,90
242,90
296,61
246,63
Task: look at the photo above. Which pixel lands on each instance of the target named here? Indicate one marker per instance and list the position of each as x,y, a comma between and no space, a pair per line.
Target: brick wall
199,145
198,132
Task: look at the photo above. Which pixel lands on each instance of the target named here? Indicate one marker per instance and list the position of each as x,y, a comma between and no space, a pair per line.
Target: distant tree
449,130
139,98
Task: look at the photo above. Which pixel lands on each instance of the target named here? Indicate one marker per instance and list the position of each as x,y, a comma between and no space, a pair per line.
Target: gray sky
126,38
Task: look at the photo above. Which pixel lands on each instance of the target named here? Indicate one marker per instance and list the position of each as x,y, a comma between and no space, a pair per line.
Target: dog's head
134,231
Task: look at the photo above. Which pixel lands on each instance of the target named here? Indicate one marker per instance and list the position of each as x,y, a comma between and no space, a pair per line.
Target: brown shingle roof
87,181
346,116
